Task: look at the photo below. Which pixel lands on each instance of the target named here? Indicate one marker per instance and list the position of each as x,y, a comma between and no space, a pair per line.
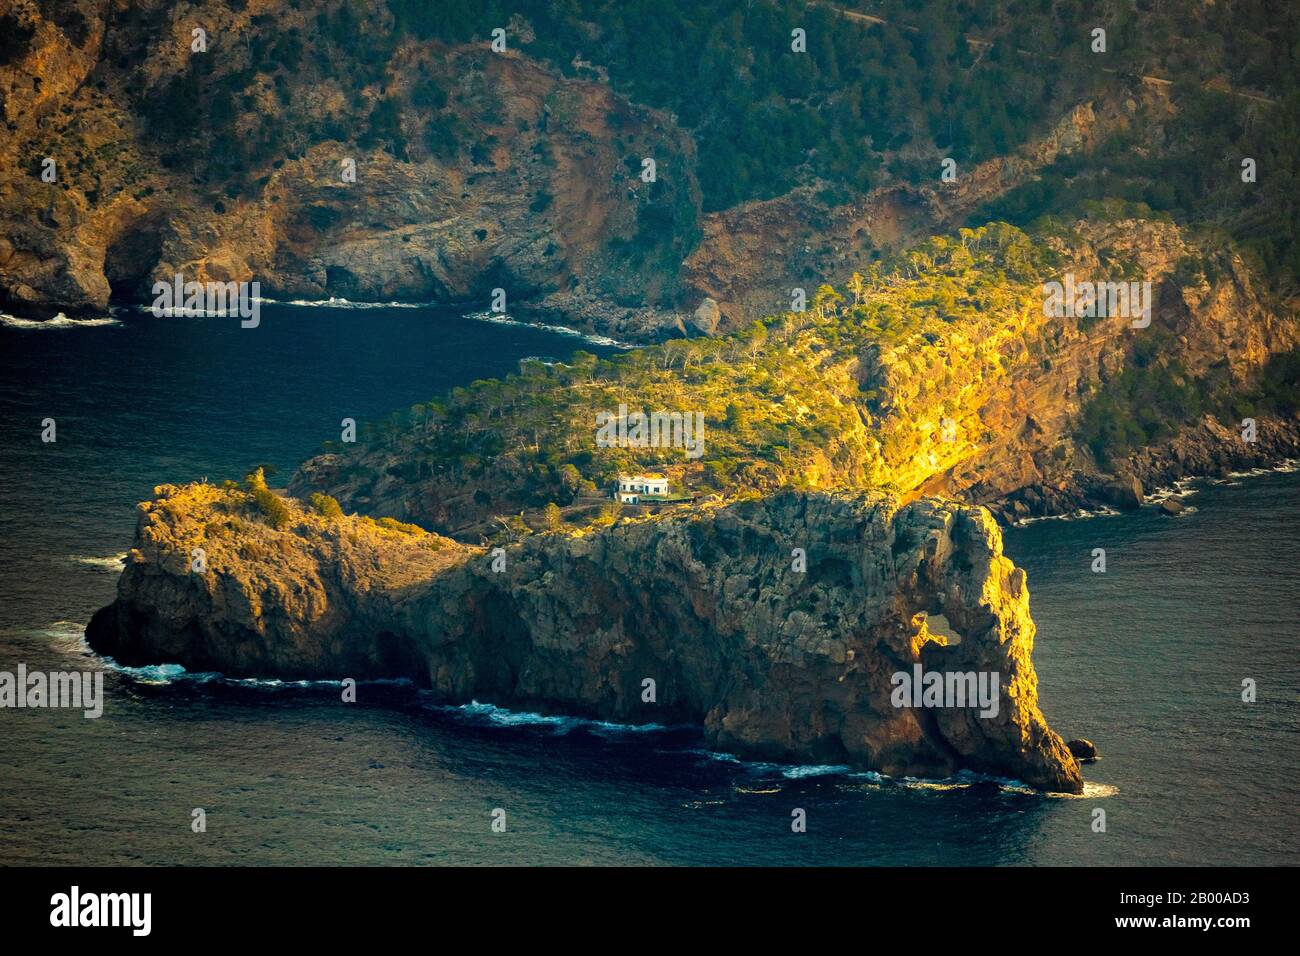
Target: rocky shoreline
709,607
1207,450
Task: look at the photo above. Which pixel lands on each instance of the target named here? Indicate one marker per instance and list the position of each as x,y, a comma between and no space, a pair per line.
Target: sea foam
59,321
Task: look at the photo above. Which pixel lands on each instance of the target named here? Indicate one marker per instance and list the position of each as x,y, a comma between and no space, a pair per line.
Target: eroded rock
773,663
1083,749
1124,492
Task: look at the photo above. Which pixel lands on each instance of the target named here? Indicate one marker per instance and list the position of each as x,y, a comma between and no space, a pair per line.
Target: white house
632,488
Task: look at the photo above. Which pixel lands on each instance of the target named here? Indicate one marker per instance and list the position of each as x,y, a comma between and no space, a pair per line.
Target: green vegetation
325,506
403,527
1196,180
1276,393
275,511
792,400
1154,397
938,78
609,513
1142,405
767,118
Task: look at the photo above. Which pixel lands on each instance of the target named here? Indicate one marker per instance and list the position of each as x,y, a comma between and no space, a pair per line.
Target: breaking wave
335,302
502,717
1182,488
60,321
113,562
161,675
71,636
1081,514
497,319
963,780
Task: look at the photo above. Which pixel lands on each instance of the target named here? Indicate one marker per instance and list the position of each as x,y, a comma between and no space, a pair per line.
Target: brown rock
774,664
706,317
1124,492
1083,749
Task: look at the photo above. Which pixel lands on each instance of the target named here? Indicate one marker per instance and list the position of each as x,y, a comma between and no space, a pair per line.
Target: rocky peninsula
773,662
851,294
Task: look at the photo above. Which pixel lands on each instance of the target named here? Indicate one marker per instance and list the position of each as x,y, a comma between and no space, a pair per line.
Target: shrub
275,511
325,505
392,524
14,37
610,512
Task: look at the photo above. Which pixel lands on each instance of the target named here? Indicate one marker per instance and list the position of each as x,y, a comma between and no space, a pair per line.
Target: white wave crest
962,780
503,717
60,321
335,302
1082,514
164,674
113,562
499,319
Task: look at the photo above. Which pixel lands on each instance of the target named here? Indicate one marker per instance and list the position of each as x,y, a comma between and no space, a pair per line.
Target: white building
632,488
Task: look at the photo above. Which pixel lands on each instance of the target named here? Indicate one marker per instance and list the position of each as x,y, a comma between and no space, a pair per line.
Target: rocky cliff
473,170
773,662
469,170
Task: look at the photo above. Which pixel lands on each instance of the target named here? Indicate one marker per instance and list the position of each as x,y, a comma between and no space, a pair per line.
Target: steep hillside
472,170
521,169
938,373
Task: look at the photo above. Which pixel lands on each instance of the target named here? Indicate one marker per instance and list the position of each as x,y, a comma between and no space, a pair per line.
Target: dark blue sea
1147,660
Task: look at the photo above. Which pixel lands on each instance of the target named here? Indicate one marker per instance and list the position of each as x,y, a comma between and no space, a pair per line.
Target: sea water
1146,660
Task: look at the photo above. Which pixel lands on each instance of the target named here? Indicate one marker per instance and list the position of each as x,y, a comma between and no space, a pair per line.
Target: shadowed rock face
773,663
532,184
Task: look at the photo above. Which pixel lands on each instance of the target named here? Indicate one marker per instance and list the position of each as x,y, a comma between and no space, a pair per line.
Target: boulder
1123,492
1083,749
706,317
1172,506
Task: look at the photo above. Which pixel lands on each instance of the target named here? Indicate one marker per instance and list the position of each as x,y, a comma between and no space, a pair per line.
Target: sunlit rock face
778,625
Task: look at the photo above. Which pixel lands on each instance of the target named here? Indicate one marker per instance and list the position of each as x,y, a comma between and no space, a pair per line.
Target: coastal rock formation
497,171
472,171
1084,750
1124,493
771,661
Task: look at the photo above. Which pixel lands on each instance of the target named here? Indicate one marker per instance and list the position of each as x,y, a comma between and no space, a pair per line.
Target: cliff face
751,256
1015,384
772,662
473,170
